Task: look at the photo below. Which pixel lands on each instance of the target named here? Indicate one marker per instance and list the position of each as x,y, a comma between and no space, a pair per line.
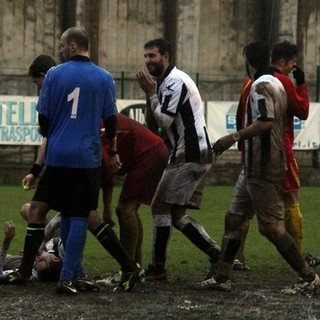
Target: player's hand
298,74
9,233
115,163
146,83
110,222
28,181
107,218
223,144
9,230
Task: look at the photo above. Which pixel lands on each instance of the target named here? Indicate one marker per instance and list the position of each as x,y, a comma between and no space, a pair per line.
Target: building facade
207,37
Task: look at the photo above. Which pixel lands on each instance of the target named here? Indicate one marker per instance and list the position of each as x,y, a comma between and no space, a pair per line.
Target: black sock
162,235
231,250
32,243
109,240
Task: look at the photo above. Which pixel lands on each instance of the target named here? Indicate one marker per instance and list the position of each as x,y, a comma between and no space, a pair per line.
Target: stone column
288,19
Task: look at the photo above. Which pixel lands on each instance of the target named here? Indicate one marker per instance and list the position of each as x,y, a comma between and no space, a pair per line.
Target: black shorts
72,191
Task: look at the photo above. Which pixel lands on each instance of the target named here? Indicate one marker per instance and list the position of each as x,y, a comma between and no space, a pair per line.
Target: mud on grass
255,296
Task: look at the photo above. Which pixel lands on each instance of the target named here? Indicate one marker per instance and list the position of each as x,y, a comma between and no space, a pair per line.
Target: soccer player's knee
154,210
94,220
233,221
267,229
126,211
181,223
24,211
233,226
160,208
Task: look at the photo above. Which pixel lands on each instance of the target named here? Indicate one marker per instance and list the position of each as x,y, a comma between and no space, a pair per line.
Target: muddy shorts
256,196
181,184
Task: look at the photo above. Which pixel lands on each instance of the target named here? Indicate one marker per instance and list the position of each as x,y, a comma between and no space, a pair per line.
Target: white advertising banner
18,121
307,133
19,118
221,120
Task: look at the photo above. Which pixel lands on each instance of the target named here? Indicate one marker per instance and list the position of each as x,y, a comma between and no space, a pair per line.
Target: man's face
64,50
286,66
155,62
43,260
38,81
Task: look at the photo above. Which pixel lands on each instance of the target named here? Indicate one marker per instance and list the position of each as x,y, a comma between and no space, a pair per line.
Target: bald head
78,36
74,41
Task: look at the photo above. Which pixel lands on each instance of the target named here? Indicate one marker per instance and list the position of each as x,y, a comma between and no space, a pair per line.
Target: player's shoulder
176,79
265,80
285,80
125,123
178,74
53,70
268,83
282,77
104,75
104,71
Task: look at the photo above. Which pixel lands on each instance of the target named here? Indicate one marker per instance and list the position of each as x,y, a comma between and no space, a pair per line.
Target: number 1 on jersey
74,95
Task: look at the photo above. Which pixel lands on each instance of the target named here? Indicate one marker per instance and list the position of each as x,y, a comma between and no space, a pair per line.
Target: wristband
36,169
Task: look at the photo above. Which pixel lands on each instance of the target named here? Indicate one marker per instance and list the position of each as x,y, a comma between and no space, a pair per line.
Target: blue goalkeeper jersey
75,96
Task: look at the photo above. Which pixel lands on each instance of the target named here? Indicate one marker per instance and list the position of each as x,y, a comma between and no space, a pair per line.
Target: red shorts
291,179
142,180
142,176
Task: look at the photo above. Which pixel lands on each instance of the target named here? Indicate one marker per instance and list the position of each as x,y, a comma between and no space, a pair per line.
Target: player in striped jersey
257,190
283,62
174,103
48,261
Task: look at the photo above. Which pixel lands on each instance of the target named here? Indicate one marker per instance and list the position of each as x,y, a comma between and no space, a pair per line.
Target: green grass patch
184,260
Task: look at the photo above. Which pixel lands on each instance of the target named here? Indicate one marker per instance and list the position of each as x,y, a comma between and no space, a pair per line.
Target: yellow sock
293,224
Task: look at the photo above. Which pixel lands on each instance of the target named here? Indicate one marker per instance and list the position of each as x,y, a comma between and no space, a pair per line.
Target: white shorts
181,184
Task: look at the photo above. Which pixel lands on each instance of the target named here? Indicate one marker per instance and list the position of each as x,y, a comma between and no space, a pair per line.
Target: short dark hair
41,64
258,54
52,273
162,45
79,36
284,50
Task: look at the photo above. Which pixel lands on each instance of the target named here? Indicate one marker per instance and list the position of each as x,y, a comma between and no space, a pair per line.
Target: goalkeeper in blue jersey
74,97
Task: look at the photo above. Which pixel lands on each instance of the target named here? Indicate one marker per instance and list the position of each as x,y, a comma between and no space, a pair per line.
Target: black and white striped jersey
264,154
180,112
